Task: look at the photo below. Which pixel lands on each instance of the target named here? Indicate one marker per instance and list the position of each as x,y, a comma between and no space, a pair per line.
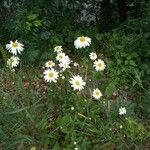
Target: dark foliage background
42,24
120,33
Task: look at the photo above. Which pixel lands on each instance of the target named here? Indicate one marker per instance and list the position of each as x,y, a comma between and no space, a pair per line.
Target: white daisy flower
77,82
15,47
122,111
97,93
49,64
93,56
82,42
61,57
65,63
99,65
50,75
13,61
58,49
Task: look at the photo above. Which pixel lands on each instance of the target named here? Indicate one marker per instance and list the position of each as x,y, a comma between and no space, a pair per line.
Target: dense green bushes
41,25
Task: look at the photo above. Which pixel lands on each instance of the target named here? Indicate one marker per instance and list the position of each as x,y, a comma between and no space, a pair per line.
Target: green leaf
131,62
65,120
110,89
17,111
126,62
32,17
56,146
37,23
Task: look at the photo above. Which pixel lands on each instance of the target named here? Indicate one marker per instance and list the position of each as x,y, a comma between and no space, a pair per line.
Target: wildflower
82,42
65,63
49,64
76,148
63,77
72,108
50,75
75,64
97,93
13,61
15,47
61,57
58,49
93,56
121,126
74,142
77,83
122,110
12,70
99,65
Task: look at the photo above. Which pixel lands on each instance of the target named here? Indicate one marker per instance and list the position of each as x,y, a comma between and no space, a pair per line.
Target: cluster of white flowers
14,48
13,61
77,82
99,64
51,75
65,63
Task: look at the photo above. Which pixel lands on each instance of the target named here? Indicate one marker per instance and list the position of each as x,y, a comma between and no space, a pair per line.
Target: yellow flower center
97,93
14,44
99,65
82,39
51,74
60,56
57,48
77,83
49,63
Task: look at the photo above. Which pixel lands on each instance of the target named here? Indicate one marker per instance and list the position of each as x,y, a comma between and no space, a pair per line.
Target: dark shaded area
106,16
122,9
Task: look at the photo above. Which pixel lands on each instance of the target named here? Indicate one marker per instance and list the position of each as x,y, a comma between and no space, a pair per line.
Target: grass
53,116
